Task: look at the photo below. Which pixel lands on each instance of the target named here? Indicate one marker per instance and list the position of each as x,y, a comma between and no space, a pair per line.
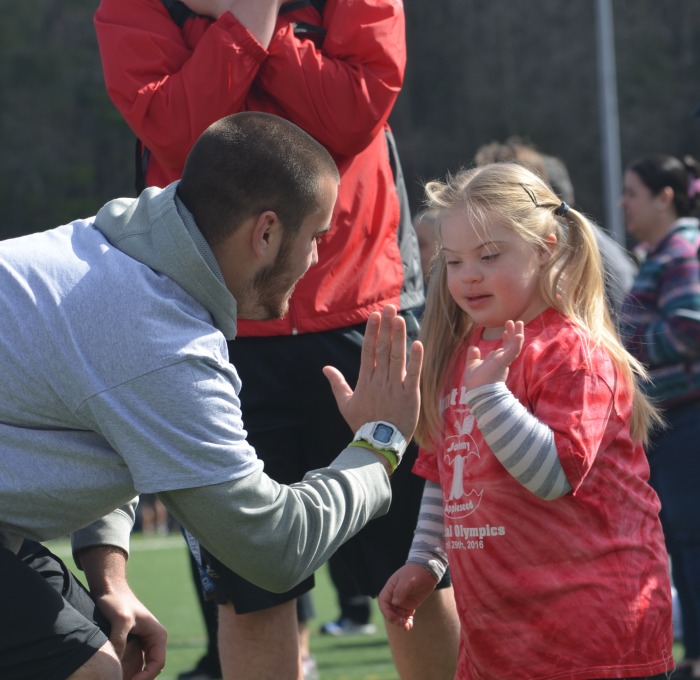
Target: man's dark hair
248,163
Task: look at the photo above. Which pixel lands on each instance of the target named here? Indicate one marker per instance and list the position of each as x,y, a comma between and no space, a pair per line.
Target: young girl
531,430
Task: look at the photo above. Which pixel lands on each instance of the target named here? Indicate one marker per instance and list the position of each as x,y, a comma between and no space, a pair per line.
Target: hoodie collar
157,230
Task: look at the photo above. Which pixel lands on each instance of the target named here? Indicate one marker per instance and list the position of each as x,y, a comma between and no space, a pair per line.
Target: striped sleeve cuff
428,547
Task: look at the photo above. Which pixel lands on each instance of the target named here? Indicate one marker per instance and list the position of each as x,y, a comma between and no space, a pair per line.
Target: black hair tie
561,210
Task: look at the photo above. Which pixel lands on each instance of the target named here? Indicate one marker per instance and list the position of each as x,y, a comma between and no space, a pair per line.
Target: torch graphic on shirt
458,450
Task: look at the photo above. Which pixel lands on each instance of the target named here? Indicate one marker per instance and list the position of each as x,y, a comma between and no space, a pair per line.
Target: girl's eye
452,263
489,257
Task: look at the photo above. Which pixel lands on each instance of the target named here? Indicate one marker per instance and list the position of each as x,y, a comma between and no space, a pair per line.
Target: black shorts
49,624
294,424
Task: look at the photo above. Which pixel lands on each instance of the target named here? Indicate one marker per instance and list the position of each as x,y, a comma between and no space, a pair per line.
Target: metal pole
609,122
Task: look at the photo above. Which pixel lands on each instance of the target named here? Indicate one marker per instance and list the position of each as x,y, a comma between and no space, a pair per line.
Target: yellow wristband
389,455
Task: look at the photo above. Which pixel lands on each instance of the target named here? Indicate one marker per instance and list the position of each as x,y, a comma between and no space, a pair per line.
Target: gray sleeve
524,446
276,535
113,529
428,547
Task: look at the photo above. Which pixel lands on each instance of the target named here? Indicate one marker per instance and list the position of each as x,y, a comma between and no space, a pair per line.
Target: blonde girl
531,431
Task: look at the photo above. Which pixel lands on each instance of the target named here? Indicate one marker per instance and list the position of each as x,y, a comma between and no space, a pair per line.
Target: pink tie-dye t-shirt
572,588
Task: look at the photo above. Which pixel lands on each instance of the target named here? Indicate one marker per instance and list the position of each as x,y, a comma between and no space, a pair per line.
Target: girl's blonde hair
572,280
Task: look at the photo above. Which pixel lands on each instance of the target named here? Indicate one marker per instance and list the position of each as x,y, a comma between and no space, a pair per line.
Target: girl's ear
547,248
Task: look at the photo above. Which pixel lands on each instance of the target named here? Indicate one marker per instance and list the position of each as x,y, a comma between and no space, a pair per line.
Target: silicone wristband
393,462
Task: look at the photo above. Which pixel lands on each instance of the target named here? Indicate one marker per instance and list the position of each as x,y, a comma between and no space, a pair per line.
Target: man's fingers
339,386
384,340
415,362
155,660
369,346
397,364
118,637
153,637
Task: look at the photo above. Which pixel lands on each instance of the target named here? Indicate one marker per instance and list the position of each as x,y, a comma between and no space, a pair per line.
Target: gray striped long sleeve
428,547
524,446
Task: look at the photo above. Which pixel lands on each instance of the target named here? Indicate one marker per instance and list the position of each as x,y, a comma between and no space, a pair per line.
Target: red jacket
171,83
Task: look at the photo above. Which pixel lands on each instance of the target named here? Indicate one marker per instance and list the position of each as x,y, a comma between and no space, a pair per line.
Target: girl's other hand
405,590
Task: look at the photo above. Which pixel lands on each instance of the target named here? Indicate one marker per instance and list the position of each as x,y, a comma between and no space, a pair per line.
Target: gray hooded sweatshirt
116,381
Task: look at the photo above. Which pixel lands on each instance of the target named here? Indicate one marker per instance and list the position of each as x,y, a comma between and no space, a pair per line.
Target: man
335,69
116,381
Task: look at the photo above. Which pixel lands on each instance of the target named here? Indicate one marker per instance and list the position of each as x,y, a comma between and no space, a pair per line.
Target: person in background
426,231
153,516
335,69
660,324
355,608
532,425
619,268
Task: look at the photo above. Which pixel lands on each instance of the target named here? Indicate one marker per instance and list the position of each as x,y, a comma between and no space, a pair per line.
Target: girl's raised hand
494,368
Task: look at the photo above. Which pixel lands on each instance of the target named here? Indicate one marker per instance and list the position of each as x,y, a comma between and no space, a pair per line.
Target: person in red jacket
335,69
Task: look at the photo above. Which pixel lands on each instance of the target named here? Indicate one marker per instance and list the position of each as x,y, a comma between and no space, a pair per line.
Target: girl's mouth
477,300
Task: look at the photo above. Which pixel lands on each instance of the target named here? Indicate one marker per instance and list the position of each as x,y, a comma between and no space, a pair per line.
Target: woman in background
661,328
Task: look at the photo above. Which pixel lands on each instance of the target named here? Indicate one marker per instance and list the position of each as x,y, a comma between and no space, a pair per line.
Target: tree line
478,71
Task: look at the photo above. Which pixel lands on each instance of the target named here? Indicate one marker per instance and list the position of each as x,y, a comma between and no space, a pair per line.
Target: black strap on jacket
297,4
180,12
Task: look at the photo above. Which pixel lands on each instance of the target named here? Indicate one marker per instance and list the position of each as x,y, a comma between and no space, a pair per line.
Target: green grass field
159,574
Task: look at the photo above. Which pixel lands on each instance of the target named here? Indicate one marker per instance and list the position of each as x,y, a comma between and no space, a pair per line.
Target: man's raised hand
387,389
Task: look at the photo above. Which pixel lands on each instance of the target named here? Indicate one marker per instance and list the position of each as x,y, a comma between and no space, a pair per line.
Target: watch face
383,433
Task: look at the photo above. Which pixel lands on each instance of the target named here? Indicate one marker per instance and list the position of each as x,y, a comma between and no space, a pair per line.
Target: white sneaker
347,627
310,668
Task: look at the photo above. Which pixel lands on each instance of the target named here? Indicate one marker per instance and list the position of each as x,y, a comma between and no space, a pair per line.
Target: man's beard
271,289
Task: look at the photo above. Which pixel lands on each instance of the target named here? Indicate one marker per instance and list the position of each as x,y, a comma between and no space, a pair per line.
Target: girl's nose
470,273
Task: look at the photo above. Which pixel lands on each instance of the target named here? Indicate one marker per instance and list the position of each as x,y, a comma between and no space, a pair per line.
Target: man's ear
266,235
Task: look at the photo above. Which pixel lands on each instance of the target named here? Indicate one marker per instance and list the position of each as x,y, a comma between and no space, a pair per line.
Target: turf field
159,573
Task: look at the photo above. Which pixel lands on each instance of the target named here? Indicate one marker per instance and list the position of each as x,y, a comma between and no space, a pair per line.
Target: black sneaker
201,671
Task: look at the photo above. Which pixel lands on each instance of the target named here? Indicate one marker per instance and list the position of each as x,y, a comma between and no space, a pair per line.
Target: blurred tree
65,149
478,71
482,70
